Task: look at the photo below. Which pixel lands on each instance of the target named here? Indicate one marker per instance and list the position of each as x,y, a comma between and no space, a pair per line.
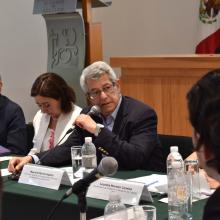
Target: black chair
183,142
30,135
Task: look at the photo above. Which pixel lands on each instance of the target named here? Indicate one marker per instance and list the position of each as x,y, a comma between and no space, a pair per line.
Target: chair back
183,142
30,135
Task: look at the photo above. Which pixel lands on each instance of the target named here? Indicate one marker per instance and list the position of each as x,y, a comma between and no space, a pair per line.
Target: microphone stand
82,204
80,191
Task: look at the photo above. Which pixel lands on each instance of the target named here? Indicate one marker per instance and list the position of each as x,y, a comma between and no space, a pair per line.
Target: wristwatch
98,129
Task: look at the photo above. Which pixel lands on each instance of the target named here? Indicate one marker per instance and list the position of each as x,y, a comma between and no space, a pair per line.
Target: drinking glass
138,213
150,212
191,168
144,212
76,156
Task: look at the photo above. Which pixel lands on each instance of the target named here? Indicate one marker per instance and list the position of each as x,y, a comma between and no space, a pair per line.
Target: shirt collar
114,113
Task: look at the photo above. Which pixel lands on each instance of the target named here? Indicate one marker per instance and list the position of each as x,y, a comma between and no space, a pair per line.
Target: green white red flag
209,27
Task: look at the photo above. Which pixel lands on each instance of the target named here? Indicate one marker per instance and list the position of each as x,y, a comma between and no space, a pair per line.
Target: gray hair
95,71
0,77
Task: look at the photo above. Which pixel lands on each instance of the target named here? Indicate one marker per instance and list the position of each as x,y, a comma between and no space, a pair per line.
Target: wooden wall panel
94,42
163,82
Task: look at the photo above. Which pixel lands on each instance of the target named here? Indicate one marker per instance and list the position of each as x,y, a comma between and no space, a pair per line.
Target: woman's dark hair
204,113
54,86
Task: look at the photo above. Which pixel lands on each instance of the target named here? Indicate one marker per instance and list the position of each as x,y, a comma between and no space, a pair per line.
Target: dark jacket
212,207
133,141
12,127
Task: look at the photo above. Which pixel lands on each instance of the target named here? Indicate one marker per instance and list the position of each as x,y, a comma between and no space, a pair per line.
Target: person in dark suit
12,126
125,129
204,114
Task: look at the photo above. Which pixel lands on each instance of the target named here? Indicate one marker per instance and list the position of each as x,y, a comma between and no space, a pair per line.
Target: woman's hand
17,163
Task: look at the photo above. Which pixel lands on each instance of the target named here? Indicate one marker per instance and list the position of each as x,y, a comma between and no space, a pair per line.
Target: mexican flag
209,27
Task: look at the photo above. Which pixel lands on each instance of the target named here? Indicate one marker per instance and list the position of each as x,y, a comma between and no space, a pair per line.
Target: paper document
155,182
158,183
5,172
4,158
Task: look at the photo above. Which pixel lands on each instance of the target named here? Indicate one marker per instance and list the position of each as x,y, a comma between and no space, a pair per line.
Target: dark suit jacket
133,141
12,127
212,207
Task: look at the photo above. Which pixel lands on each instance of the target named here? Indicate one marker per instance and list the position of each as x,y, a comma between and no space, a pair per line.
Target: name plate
130,192
43,176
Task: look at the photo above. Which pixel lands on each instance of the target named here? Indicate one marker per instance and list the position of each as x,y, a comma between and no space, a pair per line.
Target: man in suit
125,129
12,126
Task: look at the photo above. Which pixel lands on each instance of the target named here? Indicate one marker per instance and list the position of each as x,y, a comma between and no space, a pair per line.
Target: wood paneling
93,34
163,82
94,42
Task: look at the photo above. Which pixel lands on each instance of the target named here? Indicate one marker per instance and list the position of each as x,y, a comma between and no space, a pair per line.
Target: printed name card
130,192
43,176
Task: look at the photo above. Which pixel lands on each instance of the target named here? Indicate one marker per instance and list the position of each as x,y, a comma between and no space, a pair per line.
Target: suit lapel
2,101
121,117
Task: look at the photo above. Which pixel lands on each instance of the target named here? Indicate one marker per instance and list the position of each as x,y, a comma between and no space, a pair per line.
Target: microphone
107,167
95,110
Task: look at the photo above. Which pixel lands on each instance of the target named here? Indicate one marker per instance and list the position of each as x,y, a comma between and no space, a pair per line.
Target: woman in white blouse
57,111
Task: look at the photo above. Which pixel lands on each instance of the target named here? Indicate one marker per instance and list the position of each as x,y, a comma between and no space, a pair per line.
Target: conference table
23,202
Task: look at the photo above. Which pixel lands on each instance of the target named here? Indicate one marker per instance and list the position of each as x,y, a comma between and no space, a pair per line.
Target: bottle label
176,164
181,193
89,161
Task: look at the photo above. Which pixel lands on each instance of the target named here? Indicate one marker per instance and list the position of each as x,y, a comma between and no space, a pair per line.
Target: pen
149,184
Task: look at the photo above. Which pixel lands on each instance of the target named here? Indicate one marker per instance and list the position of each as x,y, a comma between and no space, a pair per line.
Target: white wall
130,27
23,51
143,27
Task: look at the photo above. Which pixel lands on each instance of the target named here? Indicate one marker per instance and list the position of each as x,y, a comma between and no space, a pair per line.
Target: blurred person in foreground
13,134
204,114
1,194
125,128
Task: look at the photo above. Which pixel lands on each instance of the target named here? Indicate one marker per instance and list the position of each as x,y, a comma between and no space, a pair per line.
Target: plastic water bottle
89,159
178,193
115,209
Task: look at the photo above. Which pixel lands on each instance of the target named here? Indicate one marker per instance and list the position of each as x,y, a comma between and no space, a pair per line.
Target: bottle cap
88,139
174,149
114,196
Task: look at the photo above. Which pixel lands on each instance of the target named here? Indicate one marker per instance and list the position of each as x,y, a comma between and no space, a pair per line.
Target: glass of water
144,212
76,156
192,175
150,212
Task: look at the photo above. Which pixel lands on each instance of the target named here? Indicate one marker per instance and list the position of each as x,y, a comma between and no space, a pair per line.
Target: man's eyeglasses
106,89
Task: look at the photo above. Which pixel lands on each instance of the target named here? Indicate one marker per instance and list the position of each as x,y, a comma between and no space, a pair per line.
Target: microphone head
95,110
108,166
